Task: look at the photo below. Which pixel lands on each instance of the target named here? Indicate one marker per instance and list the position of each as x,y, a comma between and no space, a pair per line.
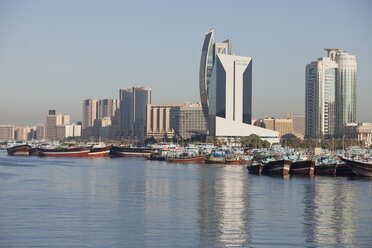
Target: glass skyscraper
209,53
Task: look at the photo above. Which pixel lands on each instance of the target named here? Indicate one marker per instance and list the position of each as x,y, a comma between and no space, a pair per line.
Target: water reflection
330,212
224,207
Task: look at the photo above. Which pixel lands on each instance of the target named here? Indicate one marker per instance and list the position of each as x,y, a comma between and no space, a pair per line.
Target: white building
69,130
330,94
230,99
225,83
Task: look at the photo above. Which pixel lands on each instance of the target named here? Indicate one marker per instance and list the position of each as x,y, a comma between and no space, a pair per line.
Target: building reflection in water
224,207
330,212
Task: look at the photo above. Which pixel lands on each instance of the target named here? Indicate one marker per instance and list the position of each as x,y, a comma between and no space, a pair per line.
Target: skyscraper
330,94
52,121
209,52
93,109
89,112
133,111
226,92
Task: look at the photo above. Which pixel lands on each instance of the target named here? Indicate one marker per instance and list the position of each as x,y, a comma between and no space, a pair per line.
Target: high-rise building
107,108
133,112
187,120
89,113
21,133
52,121
40,131
330,94
209,52
126,111
226,92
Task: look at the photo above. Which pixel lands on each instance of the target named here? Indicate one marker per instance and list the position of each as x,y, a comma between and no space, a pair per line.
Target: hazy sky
54,54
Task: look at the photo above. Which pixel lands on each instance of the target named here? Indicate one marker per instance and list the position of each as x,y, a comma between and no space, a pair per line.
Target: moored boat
34,151
99,151
325,169
19,150
255,168
360,168
304,167
276,167
343,170
65,152
216,158
121,151
187,159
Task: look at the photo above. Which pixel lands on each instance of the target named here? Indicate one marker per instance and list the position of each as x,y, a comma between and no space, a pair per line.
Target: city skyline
54,55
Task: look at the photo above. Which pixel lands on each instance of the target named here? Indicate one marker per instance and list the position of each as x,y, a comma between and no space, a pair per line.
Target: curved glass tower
206,66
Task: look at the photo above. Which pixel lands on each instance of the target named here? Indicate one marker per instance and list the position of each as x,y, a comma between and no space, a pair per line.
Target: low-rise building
67,131
158,121
360,131
298,123
283,126
6,132
188,120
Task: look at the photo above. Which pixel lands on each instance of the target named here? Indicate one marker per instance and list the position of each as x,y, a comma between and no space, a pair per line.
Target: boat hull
66,152
344,170
325,170
129,152
99,152
303,168
21,150
255,169
34,151
198,159
359,168
278,167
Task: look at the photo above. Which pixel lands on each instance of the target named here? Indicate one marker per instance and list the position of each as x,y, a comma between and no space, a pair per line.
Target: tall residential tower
330,94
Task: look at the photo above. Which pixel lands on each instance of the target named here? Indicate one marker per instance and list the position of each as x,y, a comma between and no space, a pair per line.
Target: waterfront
121,202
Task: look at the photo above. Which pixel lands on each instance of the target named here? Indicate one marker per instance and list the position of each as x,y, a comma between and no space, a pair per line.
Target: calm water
62,202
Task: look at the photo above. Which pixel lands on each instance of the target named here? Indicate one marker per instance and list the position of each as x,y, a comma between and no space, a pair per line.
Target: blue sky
54,54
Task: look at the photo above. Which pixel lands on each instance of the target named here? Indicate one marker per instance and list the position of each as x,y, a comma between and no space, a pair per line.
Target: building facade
298,122
225,83
188,120
133,111
159,120
53,120
209,53
283,126
89,112
6,132
68,130
330,94
97,109
40,131
360,131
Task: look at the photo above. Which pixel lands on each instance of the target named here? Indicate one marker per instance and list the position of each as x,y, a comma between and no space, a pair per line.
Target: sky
54,54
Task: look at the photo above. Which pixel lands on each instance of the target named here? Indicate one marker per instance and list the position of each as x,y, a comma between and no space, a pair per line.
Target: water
120,202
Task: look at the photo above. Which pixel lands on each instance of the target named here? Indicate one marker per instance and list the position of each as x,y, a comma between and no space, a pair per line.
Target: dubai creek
123,202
